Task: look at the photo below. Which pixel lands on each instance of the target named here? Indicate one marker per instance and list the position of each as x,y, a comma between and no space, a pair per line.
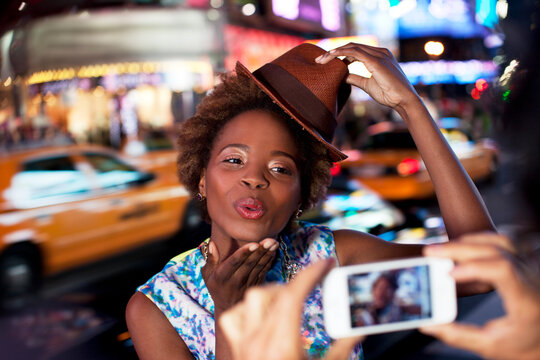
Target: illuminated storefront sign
441,71
486,12
456,18
177,75
325,14
253,47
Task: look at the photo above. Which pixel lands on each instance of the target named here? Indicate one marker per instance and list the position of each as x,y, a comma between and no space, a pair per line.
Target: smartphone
388,296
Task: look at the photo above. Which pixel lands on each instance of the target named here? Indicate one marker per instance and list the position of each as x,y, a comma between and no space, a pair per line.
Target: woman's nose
255,179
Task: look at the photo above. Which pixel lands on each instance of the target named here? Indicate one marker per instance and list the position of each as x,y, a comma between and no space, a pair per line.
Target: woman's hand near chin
228,279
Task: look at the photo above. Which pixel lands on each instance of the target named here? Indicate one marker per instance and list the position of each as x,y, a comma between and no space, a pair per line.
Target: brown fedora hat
312,94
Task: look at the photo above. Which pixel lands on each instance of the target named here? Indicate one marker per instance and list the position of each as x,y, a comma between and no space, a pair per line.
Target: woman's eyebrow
283,153
241,146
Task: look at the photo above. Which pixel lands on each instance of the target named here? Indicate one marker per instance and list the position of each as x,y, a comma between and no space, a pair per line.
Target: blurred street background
91,96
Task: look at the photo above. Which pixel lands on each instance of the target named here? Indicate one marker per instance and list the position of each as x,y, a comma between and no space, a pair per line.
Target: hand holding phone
388,296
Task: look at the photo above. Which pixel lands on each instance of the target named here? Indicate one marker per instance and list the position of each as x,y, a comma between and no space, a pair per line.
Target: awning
115,35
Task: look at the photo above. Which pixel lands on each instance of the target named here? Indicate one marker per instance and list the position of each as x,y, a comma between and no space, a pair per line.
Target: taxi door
135,207
50,194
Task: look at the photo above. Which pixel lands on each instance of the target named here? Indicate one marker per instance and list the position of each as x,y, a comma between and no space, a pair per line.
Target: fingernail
318,58
274,247
268,244
332,51
253,247
210,248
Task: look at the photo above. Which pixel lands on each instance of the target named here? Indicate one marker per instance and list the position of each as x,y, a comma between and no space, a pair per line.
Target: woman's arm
153,335
462,208
354,247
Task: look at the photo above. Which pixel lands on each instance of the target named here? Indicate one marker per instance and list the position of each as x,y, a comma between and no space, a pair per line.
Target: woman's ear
202,184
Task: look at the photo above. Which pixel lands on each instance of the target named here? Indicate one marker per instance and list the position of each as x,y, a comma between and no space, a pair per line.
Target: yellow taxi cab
65,206
154,150
390,164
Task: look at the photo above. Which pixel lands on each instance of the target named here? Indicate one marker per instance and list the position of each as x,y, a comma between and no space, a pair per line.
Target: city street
121,119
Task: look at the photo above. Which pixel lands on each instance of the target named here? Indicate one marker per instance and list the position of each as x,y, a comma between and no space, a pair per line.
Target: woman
383,307
257,153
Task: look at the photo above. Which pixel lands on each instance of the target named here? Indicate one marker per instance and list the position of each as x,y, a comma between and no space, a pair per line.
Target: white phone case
431,300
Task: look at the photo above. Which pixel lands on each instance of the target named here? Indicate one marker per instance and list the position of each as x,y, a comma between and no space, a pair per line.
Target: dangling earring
298,213
200,196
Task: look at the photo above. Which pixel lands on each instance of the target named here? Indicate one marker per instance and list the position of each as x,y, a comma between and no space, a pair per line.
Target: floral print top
180,293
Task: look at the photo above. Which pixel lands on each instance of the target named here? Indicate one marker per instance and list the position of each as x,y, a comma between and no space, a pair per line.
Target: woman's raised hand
227,280
388,85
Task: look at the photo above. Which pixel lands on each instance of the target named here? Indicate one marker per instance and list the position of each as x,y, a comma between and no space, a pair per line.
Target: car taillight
408,166
335,170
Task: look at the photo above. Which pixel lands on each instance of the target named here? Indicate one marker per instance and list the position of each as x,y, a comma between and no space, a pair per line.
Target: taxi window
390,140
60,163
112,172
47,180
157,140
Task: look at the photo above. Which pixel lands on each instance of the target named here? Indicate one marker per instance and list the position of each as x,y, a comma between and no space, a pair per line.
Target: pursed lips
250,208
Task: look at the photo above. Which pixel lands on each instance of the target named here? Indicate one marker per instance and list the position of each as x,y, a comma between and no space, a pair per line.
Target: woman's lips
249,208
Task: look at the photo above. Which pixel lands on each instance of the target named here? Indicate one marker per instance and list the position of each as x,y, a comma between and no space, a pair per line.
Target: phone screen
384,297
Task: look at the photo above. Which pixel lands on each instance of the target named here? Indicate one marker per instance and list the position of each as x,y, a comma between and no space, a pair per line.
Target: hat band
300,100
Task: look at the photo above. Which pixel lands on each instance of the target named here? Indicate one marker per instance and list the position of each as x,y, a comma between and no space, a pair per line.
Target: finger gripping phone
388,296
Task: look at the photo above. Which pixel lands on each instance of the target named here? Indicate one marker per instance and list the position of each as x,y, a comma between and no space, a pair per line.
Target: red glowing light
481,85
408,166
475,94
335,170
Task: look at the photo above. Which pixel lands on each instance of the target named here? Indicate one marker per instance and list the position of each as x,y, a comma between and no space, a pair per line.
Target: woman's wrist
408,108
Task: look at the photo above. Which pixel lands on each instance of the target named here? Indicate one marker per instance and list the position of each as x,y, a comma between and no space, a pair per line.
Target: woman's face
252,182
383,293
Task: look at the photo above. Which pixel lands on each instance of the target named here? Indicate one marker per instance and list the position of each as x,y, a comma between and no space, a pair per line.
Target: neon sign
441,71
325,13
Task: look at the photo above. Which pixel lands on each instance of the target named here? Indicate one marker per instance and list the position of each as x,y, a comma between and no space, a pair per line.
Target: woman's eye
281,170
233,160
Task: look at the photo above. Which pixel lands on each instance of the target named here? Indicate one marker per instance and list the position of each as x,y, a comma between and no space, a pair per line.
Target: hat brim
334,152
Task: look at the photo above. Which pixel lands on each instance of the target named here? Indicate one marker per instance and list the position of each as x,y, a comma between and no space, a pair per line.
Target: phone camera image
384,297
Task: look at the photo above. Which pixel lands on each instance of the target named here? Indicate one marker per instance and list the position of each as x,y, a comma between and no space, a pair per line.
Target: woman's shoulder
307,229
181,272
307,233
309,241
